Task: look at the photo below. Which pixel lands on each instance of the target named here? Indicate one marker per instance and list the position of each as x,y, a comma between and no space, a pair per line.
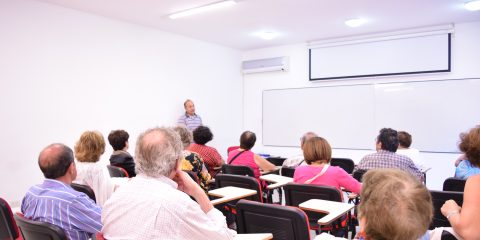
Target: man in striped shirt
54,201
190,120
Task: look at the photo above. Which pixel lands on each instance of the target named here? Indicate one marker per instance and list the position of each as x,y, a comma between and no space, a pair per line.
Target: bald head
54,160
157,152
247,140
305,137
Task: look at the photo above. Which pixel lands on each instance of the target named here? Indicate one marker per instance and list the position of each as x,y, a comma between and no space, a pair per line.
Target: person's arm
85,214
188,186
263,164
348,182
464,219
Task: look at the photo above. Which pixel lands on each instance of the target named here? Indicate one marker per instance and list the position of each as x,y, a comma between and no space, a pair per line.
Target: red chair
8,226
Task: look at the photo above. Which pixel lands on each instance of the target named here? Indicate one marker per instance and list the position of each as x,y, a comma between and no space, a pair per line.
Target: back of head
185,135
404,139
394,205
118,139
157,152
54,160
202,135
247,140
470,145
389,139
317,149
306,136
90,147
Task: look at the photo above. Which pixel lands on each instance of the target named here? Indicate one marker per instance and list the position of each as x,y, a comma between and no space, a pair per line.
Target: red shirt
210,156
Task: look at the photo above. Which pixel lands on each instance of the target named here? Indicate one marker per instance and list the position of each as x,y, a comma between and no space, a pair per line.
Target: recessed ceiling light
355,22
201,9
472,6
267,35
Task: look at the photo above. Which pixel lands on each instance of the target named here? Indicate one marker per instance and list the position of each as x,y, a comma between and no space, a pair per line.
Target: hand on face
186,183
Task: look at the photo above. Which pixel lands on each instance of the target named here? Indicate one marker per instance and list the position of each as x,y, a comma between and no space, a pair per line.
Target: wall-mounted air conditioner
265,65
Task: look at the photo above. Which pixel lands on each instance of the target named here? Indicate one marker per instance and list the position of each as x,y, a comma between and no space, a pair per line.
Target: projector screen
349,117
413,55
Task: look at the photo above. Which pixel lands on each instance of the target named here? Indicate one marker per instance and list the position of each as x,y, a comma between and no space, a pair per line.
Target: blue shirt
57,203
465,170
190,122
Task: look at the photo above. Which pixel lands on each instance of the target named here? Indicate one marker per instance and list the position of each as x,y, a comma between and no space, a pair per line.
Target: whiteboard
349,117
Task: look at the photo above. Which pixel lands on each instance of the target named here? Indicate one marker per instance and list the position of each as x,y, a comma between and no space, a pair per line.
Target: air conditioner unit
265,65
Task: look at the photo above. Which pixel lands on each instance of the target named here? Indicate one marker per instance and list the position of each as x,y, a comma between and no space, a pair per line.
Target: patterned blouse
193,162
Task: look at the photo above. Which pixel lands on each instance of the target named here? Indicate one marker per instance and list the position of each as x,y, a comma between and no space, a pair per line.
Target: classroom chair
85,189
115,171
8,226
346,164
287,171
454,184
237,170
438,199
36,230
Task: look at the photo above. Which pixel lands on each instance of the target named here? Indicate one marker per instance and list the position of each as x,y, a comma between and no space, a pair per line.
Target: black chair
277,161
237,170
454,184
85,189
285,223
287,171
8,227
117,171
358,175
36,230
438,199
346,163
447,236
299,193
225,180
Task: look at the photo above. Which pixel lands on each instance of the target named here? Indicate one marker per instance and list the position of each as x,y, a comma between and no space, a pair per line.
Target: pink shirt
244,159
334,176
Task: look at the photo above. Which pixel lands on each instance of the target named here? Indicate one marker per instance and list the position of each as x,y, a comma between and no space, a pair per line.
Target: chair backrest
447,236
454,184
237,170
346,163
438,199
8,227
277,161
117,171
224,180
285,223
84,189
359,174
298,193
287,171
36,230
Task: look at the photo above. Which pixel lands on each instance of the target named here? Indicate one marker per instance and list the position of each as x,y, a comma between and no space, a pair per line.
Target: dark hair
404,139
470,145
202,135
389,139
55,164
118,138
247,140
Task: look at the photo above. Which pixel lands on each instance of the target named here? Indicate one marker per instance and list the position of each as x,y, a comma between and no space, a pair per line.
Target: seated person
192,161
91,172
55,202
212,159
156,203
404,143
118,139
464,220
298,159
244,157
385,157
395,206
318,153
464,167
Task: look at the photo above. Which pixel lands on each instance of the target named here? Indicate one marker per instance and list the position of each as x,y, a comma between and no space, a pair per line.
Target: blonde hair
90,147
395,205
317,149
185,135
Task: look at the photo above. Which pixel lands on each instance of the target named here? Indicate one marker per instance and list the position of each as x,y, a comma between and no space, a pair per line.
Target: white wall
63,72
465,59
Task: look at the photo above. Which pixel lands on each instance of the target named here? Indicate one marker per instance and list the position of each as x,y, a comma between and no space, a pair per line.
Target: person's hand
450,207
186,183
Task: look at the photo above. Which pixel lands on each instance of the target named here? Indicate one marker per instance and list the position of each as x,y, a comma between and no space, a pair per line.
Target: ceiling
297,21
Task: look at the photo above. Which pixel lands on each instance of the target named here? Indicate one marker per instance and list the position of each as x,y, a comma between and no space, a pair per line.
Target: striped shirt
190,122
210,156
387,159
57,203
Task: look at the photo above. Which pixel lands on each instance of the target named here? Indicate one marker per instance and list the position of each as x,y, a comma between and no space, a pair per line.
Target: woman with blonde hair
90,171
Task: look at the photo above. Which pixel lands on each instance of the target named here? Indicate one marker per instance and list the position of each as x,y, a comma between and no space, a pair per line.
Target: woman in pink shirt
318,153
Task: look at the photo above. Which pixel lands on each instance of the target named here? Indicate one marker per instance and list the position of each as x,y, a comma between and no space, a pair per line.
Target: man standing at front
55,202
156,203
190,119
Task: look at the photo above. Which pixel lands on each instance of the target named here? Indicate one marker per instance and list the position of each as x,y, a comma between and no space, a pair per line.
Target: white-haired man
298,160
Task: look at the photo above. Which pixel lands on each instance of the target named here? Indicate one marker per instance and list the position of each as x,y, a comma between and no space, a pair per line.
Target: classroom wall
64,71
465,59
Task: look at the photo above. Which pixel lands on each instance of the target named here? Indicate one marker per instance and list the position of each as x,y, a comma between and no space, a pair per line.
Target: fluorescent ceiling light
472,6
355,22
201,9
267,35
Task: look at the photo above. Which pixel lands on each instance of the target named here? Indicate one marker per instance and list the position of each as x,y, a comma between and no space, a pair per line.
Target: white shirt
413,154
96,176
152,208
294,161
